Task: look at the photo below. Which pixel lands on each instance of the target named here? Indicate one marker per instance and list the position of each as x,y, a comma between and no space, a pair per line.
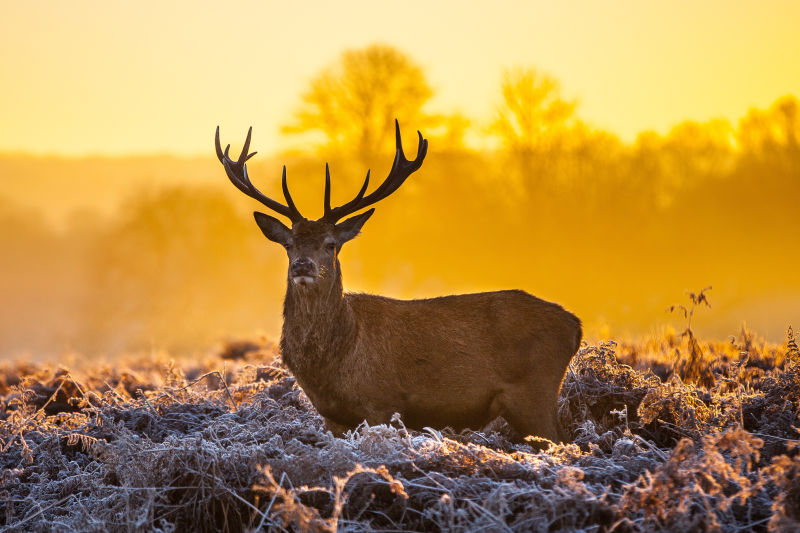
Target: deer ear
352,226
273,228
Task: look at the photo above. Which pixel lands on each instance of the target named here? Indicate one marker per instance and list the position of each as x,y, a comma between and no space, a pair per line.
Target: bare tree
772,136
354,101
533,115
534,124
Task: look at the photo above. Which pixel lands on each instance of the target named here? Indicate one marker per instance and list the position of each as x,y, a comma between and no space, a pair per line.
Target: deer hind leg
532,411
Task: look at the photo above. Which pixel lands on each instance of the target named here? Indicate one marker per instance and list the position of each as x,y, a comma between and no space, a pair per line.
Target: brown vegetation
233,445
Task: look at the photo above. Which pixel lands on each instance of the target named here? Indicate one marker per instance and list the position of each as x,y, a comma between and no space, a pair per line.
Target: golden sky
111,77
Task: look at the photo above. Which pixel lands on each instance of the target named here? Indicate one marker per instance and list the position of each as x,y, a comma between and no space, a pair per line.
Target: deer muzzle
303,271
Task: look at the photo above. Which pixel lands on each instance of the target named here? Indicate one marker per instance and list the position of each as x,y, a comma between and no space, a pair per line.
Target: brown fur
456,361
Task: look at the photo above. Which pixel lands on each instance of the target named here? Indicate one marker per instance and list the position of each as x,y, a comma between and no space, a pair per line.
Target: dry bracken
232,444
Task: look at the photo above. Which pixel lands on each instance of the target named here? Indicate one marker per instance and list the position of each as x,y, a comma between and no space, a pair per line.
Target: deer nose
303,267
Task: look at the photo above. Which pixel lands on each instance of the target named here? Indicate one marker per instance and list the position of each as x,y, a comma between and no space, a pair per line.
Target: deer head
313,245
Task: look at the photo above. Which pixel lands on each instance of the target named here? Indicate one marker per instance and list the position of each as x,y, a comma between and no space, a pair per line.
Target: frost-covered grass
664,439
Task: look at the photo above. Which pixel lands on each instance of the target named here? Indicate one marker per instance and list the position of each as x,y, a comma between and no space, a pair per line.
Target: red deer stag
457,361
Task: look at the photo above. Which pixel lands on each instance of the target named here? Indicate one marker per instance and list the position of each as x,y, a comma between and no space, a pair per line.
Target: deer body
457,361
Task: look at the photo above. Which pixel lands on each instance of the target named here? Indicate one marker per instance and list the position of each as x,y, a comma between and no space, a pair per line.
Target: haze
677,167
143,77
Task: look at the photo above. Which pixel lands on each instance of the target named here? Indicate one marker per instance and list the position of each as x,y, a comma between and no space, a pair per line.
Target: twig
141,393
271,503
52,397
661,455
222,379
749,527
250,505
773,437
16,526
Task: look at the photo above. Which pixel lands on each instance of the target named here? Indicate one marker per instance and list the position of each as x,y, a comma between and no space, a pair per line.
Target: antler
237,173
402,168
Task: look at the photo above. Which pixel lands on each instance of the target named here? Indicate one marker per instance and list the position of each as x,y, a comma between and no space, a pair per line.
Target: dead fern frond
694,368
86,441
792,352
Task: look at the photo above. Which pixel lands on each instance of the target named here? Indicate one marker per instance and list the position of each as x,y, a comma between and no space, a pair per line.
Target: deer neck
318,327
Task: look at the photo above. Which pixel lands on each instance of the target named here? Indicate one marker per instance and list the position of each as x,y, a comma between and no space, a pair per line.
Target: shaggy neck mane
318,325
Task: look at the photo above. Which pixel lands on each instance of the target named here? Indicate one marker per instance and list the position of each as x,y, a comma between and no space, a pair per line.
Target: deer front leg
337,429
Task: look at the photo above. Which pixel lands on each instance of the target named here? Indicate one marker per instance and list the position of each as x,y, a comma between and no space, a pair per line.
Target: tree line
613,230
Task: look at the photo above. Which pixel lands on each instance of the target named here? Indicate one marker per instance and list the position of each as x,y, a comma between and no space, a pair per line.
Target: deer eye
330,246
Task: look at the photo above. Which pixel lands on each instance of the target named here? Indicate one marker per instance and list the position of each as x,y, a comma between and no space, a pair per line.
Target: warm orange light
119,78
663,158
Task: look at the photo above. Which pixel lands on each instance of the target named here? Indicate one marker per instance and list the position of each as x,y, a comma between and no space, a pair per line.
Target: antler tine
246,145
218,147
327,201
402,168
237,173
289,201
332,215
